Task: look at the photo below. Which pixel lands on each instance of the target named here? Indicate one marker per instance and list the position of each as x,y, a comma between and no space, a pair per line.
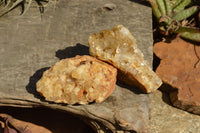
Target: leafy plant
8,5
172,17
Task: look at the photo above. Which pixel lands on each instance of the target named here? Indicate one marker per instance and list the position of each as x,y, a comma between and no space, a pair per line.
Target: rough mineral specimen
180,68
119,48
81,79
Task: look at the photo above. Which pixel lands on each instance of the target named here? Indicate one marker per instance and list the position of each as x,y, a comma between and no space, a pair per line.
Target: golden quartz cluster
82,79
118,47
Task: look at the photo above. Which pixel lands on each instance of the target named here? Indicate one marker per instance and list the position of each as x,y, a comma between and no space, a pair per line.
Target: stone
165,118
81,79
118,47
180,68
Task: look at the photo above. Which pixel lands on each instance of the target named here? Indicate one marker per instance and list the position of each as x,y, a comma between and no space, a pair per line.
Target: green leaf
191,36
155,9
181,5
185,13
190,33
161,6
176,3
168,7
188,29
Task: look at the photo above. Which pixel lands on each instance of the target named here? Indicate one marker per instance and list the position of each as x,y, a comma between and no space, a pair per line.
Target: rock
118,47
82,79
180,68
165,118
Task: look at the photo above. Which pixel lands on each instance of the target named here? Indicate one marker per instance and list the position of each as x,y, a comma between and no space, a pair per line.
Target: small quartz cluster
81,79
118,47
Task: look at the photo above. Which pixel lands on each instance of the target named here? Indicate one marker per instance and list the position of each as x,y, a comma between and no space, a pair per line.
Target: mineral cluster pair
85,79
